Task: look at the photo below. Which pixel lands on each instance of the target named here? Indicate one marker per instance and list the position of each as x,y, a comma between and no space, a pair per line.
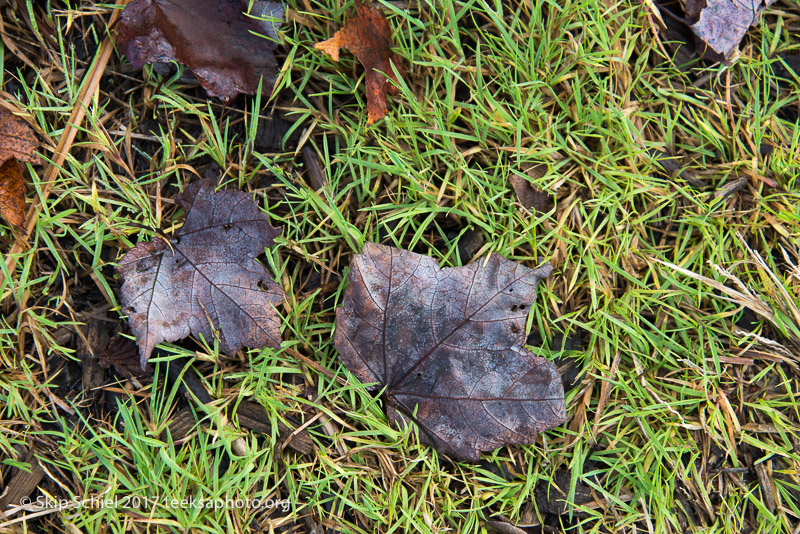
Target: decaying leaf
448,344
368,36
530,196
553,496
227,49
120,353
206,278
18,143
12,193
98,351
721,24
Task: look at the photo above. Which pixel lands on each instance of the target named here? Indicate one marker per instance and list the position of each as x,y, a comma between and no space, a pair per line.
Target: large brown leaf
18,143
368,36
214,38
448,344
207,278
720,25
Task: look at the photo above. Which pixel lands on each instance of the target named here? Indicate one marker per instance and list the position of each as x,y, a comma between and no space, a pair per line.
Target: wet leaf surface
448,344
226,49
721,24
18,144
368,36
206,279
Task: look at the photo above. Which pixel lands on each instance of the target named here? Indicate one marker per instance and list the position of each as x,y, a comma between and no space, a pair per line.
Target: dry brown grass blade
788,302
748,300
744,297
90,86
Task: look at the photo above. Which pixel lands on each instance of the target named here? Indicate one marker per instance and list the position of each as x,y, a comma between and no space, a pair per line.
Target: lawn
668,202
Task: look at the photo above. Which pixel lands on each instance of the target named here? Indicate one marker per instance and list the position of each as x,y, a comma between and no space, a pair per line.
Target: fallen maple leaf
448,344
214,38
17,144
721,24
206,278
369,37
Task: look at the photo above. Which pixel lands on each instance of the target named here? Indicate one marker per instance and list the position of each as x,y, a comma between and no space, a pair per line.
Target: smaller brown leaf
721,24
17,139
121,354
532,197
206,279
18,143
368,36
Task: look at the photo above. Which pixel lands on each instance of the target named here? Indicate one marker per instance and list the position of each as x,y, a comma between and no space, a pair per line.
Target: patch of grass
675,302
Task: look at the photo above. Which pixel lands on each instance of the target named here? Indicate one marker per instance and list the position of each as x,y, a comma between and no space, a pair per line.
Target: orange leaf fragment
12,193
17,144
368,36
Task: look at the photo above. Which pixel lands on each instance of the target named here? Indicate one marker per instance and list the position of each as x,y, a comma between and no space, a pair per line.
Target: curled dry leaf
18,143
720,25
448,344
227,49
368,36
205,279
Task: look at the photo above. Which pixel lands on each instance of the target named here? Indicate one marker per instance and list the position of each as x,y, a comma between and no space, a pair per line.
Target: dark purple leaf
207,278
226,49
448,344
720,25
